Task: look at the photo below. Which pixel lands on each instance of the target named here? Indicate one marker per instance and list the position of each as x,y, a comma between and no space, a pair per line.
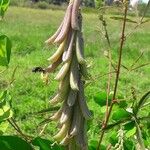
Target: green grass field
29,28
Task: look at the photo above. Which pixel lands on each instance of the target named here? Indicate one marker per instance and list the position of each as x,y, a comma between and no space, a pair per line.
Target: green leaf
142,101
3,6
45,144
146,137
13,143
128,145
3,127
113,139
103,109
122,104
5,108
2,102
93,145
5,50
110,126
131,132
4,115
120,114
129,125
5,98
144,98
101,97
3,94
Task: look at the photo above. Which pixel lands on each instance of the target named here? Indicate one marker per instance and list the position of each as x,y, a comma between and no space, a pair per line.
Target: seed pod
74,74
73,112
56,99
70,48
75,127
65,141
66,25
67,44
62,92
83,70
82,103
81,139
57,115
58,53
63,83
53,66
75,13
72,97
63,131
66,114
52,38
79,49
63,71
64,55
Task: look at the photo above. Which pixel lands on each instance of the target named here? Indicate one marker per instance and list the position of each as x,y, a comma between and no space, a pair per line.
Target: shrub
42,5
14,3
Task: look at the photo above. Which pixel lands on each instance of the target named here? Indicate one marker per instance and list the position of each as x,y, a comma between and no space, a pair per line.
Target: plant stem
16,127
117,76
139,135
110,65
108,86
145,11
137,60
141,20
140,66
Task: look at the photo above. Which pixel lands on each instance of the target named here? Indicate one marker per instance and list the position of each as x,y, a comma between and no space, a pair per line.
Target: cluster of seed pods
74,111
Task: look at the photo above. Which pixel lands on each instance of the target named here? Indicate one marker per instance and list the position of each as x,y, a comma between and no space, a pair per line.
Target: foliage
5,50
14,143
5,108
3,7
98,3
5,97
5,111
45,144
42,5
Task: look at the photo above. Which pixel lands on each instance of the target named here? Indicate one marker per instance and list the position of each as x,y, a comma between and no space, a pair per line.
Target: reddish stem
117,77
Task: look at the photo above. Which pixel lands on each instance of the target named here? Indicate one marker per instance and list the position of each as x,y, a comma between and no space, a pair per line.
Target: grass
29,28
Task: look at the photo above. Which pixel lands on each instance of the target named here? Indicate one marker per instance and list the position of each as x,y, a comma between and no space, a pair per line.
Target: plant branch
141,20
106,35
117,75
16,127
143,65
137,60
145,10
98,76
1,72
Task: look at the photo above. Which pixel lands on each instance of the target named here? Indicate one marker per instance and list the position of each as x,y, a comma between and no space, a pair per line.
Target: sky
145,1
